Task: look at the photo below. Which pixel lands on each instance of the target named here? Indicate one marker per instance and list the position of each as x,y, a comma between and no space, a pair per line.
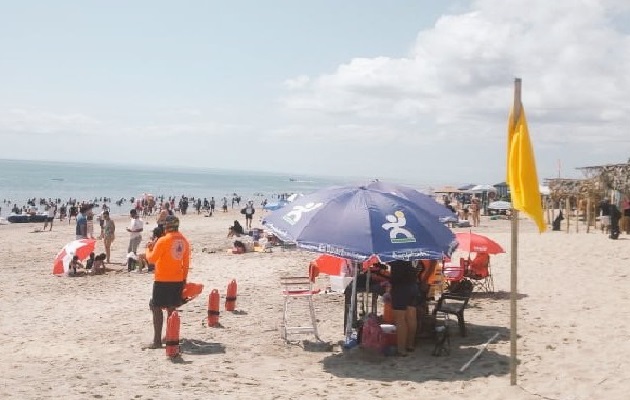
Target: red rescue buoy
230,297
213,307
172,335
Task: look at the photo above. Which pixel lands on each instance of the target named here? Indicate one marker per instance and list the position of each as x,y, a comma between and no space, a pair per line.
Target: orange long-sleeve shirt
171,256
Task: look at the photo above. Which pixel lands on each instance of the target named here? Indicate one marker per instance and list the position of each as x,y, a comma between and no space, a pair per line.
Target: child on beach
98,268
75,268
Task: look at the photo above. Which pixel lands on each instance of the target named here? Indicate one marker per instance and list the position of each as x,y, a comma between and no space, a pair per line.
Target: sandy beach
82,338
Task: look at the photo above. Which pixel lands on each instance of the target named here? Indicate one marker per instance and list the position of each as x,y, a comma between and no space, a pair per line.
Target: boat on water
26,218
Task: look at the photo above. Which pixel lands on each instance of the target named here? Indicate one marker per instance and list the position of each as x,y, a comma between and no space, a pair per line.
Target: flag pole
514,251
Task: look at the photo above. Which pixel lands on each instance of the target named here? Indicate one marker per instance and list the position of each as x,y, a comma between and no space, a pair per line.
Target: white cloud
458,79
37,123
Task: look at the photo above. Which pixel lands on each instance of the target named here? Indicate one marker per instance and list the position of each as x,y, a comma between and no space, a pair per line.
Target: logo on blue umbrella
294,216
395,226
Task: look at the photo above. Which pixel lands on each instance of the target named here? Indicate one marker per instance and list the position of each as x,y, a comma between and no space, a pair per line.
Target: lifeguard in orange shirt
171,256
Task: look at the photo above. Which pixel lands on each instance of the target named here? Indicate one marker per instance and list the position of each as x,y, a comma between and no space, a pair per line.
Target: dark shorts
167,294
50,219
404,296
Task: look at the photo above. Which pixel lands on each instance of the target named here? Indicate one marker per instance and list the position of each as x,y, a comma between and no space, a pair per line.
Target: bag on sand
372,334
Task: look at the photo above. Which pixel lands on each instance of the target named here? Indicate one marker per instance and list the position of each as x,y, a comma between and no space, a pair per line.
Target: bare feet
152,345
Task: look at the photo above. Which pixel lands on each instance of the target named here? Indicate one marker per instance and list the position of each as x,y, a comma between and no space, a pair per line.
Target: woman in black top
404,294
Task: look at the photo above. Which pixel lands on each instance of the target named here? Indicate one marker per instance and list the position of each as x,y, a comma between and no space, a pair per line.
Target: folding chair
480,274
298,294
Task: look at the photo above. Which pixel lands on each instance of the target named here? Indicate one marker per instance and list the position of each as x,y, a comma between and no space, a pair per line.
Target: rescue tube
172,335
191,290
213,308
230,297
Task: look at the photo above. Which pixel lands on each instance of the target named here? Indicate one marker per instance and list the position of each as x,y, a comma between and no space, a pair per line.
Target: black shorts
404,296
50,219
167,294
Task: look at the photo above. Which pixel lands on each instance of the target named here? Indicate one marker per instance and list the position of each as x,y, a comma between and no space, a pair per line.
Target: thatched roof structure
561,187
610,176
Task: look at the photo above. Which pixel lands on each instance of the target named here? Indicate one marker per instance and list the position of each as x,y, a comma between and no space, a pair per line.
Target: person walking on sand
135,228
171,256
109,230
51,209
249,214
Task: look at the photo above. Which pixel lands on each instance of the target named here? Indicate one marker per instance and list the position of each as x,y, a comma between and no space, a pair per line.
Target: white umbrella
482,188
500,205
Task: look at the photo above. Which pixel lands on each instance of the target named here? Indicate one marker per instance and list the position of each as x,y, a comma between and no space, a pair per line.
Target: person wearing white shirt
136,225
50,216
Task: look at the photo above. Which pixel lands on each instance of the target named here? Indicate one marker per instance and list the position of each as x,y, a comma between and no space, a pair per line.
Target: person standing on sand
81,229
109,230
51,209
475,211
164,212
135,228
171,256
249,214
404,298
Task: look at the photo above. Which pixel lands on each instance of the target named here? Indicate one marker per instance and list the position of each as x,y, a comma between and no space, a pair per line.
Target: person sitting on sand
75,268
90,262
98,267
236,229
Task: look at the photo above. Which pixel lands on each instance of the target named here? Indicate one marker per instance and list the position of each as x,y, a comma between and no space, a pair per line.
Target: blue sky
414,90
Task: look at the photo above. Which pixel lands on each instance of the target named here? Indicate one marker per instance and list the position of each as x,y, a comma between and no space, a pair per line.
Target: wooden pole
514,251
577,215
588,214
567,212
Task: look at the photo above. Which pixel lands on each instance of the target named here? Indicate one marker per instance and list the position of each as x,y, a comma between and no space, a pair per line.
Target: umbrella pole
353,301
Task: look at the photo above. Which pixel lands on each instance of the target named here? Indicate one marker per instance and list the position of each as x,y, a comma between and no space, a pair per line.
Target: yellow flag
521,171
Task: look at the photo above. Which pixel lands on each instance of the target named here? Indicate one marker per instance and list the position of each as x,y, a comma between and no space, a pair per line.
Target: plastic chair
454,305
298,294
452,273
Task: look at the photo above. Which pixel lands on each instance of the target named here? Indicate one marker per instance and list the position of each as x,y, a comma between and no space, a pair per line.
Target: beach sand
82,338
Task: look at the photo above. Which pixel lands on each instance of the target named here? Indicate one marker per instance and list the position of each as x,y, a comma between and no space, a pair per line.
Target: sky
414,90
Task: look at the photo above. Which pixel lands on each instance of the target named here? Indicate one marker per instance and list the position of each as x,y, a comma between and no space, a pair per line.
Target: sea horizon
25,179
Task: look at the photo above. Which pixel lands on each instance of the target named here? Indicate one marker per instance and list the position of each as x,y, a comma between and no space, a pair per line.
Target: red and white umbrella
80,248
475,243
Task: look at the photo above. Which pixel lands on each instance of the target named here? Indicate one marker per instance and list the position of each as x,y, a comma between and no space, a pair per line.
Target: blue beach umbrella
356,222
276,205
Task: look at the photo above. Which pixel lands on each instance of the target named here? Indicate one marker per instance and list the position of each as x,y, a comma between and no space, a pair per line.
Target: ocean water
21,180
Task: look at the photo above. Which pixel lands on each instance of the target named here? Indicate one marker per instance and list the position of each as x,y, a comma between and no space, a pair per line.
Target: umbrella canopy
466,187
356,222
474,243
80,248
500,205
482,188
276,205
414,196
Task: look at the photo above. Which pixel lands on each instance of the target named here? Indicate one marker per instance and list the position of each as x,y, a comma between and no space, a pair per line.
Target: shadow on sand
421,365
